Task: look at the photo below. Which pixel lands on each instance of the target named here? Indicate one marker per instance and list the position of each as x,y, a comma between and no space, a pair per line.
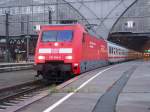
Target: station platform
9,67
19,63
122,88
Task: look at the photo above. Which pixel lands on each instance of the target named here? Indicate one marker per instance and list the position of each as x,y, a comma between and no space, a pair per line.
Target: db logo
55,50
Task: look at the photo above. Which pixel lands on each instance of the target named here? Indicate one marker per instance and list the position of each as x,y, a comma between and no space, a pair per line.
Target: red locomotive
69,49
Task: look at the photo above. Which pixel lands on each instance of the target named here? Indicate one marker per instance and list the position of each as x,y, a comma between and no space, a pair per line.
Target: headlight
68,57
76,64
41,57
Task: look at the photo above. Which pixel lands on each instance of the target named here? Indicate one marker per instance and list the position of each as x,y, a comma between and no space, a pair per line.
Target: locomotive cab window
57,36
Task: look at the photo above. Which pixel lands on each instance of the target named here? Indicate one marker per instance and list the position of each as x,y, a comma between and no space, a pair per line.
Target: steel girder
102,13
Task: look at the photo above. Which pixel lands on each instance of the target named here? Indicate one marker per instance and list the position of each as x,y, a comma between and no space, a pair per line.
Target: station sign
37,28
130,24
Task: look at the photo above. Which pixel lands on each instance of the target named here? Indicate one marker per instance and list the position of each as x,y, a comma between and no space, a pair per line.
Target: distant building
24,14
136,19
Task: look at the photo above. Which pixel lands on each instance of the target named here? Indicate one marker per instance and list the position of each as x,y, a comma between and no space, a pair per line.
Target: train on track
64,50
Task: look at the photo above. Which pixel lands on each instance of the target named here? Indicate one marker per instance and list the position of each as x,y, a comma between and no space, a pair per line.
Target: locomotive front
55,52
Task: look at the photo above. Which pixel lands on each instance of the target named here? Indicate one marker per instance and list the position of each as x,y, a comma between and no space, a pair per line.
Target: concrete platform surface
135,97
100,94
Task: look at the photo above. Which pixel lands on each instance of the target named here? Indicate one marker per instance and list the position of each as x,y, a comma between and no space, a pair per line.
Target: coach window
116,51
109,49
123,52
120,51
113,50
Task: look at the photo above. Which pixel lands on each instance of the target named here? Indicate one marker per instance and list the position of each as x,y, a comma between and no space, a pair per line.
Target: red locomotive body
94,53
68,49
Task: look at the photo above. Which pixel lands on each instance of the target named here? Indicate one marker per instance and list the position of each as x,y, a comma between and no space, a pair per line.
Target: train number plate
55,57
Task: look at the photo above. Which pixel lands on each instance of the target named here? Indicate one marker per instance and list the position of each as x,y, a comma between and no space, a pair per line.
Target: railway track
17,97
13,95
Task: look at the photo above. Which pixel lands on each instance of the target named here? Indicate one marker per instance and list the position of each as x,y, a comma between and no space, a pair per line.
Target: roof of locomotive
61,24
76,24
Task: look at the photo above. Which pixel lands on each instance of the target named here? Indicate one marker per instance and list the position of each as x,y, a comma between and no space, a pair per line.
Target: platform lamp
27,38
50,11
7,14
50,17
27,47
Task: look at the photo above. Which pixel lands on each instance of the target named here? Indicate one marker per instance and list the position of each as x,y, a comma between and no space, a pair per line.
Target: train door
84,53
